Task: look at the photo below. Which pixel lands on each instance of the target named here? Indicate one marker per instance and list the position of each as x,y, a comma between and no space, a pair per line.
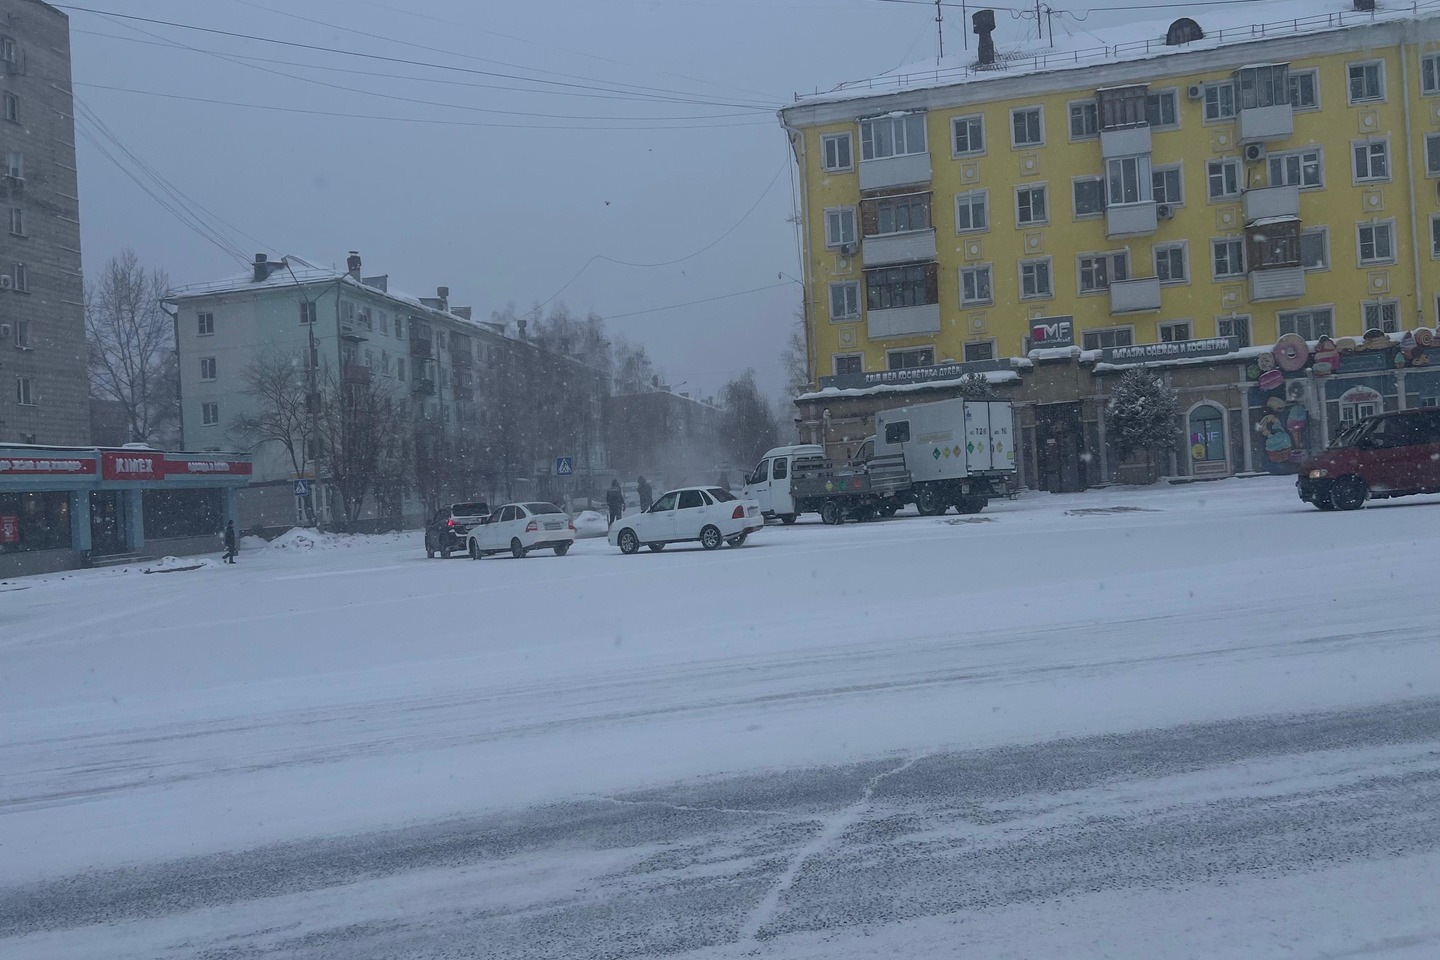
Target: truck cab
769,483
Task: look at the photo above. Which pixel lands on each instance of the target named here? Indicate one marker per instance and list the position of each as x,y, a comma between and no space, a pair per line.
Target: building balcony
462,358
423,386
913,246
463,393
1258,124
903,171
1277,283
352,333
903,321
1135,296
355,373
1263,202
1125,141
1130,219
420,347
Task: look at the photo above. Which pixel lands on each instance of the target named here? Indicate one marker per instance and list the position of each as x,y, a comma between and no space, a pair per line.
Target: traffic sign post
302,488
564,466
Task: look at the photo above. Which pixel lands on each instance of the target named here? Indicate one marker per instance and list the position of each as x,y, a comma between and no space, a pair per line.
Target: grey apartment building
43,390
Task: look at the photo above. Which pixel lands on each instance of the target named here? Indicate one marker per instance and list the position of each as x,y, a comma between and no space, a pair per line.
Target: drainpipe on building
1410,181
797,143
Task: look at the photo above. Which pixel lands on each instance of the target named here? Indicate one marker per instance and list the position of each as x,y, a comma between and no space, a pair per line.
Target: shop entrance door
107,523
1059,443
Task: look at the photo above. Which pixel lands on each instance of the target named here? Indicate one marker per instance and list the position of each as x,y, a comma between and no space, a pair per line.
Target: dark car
1389,455
445,533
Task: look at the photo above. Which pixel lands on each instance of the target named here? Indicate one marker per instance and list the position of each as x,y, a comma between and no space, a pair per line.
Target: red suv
1390,455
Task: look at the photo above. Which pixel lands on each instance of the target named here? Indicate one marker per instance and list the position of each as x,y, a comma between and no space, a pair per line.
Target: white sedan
520,528
708,514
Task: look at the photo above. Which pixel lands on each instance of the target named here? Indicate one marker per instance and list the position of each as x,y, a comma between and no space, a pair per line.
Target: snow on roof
1224,27
993,376
1267,221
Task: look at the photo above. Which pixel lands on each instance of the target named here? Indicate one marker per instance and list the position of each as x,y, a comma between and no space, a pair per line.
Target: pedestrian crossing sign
564,466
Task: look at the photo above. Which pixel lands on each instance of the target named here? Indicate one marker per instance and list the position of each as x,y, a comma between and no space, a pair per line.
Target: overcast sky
661,142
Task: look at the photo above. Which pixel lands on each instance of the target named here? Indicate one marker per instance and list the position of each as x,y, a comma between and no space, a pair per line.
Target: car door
1387,461
1427,437
658,523
690,515
496,537
757,488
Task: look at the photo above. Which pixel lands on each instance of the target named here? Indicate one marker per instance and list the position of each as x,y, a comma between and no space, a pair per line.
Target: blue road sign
302,488
564,466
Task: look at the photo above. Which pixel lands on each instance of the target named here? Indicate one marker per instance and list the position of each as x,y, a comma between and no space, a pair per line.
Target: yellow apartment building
1204,185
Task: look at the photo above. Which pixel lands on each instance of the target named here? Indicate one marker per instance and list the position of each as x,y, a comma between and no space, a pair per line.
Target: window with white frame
209,413
1377,242
20,277
347,311
835,148
1108,337
1171,262
1128,180
1367,81
1174,331
1027,126
1089,195
849,363
205,324
1264,85
12,108
1315,248
845,300
17,221
972,211
1302,168
839,226
1030,205
1311,324
967,135
1237,327
1035,283
1097,270
1372,159
15,165
1227,256
1084,120
983,350
886,215
1432,154
885,137
1168,185
22,334
910,359
975,288
1163,109
1435,235
1305,89
399,368
207,368
1219,102
1430,73
307,311
1382,315
1222,178
24,392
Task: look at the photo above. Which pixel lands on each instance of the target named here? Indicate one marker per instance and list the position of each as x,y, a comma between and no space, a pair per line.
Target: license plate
554,526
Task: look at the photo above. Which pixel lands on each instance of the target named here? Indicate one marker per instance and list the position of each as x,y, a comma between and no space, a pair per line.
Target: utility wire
691,303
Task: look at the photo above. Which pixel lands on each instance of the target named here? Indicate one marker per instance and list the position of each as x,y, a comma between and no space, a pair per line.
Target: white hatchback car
520,528
708,514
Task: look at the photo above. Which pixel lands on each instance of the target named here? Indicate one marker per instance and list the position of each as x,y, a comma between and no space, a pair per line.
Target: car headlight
1319,474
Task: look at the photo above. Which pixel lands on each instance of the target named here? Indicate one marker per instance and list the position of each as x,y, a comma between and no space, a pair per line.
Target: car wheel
655,547
831,513
1349,494
710,537
429,550
628,542
474,550
517,550
561,549
737,540
445,552
788,518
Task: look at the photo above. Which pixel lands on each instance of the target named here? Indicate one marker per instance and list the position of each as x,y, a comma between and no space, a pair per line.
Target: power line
691,303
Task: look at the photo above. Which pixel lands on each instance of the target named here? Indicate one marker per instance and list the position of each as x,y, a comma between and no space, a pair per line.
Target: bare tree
278,385
747,424
795,359
131,347
362,436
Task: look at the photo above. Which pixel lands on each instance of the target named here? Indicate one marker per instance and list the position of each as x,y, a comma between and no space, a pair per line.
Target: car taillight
451,521
531,527
739,513
571,524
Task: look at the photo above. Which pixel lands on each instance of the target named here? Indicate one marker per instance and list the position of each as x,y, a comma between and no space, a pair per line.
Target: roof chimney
520,327
444,294
262,269
983,23
352,264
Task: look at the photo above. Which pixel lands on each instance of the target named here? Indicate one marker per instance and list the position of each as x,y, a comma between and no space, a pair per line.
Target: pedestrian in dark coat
642,487
615,500
229,542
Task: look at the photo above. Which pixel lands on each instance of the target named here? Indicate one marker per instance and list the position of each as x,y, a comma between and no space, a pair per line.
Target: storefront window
34,521
183,513
1207,434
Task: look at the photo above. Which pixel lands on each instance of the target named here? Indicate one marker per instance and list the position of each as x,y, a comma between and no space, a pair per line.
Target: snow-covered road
930,737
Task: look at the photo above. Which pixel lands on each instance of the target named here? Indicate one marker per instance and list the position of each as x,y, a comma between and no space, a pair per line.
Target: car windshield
535,508
1351,434
720,495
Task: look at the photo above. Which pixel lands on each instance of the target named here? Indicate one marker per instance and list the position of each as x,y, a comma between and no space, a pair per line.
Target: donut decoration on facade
1271,380
1375,339
1291,352
1266,361
1326,358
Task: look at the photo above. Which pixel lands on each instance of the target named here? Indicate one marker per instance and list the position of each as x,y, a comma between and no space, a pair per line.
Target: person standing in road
725,480
642,488
615,500
229,541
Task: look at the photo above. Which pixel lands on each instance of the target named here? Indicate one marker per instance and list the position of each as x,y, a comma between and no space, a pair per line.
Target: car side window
666,502
1390,432
1427,427
689,499
507,514
762,472
782,468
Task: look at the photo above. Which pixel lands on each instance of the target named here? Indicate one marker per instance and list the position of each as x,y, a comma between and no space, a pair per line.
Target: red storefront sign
203,468
45,466
128,465
9,528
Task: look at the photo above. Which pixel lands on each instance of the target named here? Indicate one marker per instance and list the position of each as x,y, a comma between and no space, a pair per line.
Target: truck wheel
888,510
710,537
787,518
517,549
928,502
973,504
830,513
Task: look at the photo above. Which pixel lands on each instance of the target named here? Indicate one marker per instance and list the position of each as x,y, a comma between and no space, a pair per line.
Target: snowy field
1197,721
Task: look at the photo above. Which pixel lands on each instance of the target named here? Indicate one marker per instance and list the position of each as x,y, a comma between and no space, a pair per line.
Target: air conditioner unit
848,249
1164,211
6,281
1196,92
1254,151
1296,391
